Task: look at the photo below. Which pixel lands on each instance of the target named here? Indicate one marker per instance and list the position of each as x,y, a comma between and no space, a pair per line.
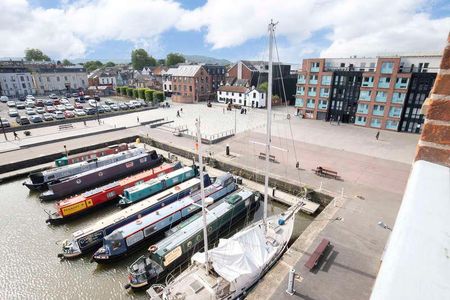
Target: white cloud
367,27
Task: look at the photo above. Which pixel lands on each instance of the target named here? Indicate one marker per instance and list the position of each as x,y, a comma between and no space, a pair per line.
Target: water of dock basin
29,267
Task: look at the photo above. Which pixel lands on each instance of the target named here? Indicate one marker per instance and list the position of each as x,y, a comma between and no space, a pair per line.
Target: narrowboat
187,238
76,205
91,178
137,193
65,160
127,238
85,239
41,180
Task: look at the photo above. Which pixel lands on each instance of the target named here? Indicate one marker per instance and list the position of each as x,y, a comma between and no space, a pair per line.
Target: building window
363,108
324,92
301,90
378,110
299,102
313,79
311,103
367,81
65,78
401,83
254,95
392,124
395,112
312,91
375,123
323,104
21,78
24,86
384,82
326,80
301,79
360,120
387,67
381,96
190,88
48,79
365,95
57,78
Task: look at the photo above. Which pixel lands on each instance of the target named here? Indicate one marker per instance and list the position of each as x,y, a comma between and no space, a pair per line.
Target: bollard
227,150
290,288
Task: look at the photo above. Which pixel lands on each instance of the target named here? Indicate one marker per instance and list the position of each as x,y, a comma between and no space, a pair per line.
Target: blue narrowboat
92,236
128,238
141,191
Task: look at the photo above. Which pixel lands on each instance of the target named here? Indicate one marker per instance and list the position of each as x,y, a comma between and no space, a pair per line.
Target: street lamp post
3,128
96,108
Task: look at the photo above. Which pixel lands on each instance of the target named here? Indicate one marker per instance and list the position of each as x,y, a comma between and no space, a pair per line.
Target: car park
22,98
114,107
29,103
106,108
93,103
29,111
30,97
80,100
13,113
22,120
143,103
134,103
90,111
4,99
39,103
20,105
56,102
79,112
50,109
53,96
4,123
78,106
123,106
69,114
11,103
64,101
48,102
100,109
40,110
60,107
36,119
59,115
109,102
69,107
47,117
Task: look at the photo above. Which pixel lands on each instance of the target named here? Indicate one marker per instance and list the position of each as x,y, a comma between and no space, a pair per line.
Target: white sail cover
244,254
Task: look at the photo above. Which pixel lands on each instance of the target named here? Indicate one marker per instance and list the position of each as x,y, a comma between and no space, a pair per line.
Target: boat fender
281,222
127,286
153,248
60,255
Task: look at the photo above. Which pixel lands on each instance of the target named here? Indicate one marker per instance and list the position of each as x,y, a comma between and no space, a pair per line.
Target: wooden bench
321,171
262,155
315,257
65,126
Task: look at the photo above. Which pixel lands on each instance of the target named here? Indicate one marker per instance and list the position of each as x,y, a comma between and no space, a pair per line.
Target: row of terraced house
382,92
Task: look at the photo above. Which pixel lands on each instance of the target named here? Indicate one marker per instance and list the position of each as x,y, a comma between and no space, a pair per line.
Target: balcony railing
313,81
363,111
326,81
391,125
400,85
314,69
397,99
395,113
322,105
367,84
364,96
301,81
376,124
387,70
360,122
299,102
324,94
380,98
383,84
312,93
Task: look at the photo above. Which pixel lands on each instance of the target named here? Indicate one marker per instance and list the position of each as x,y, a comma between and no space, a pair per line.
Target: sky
230,29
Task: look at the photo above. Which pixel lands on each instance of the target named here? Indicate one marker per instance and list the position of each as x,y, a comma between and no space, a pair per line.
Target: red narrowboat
64,161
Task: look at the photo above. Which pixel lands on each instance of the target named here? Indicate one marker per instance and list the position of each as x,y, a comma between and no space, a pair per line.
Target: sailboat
231,269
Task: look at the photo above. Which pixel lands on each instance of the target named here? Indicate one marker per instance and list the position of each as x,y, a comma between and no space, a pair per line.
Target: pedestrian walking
16,137
181,109
331,118
377,135
339,120
223,109
137,118
84,122
178,113
245,111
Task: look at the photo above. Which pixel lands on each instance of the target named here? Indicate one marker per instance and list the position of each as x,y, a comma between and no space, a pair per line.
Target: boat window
116,244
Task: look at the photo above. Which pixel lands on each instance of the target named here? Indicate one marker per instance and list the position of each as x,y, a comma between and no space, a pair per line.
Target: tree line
145,94
139,60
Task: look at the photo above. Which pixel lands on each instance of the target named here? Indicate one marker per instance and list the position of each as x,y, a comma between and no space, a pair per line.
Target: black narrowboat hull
103,175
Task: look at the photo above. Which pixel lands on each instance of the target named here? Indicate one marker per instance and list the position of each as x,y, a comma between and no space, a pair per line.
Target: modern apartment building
382,92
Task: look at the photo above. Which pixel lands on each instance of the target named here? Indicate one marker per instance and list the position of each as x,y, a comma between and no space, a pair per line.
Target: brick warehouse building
190,84
382,92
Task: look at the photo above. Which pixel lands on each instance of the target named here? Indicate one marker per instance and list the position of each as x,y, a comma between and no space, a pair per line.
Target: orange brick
437,109
439,134
442,85
445,62
434,155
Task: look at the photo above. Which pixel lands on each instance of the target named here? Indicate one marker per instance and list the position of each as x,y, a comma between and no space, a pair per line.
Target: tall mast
269,120
202,192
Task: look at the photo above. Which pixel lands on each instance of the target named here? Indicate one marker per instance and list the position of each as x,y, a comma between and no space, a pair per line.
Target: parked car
106,108
131,105
11,103
39,103
22,98
47,117
87,98
90,111
4,99
123,106
143,103
69,114
134,103
97,97
4,123
69,107
75,95
80,100
13,113
31,97
93,103
48,102
50,109
40,110
114,107
69,95
78,106
22,120
53,96
64,101
20,105
59,115
56,102
29,103
36,119
60,107
79,112
100,109
109,102
29,111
